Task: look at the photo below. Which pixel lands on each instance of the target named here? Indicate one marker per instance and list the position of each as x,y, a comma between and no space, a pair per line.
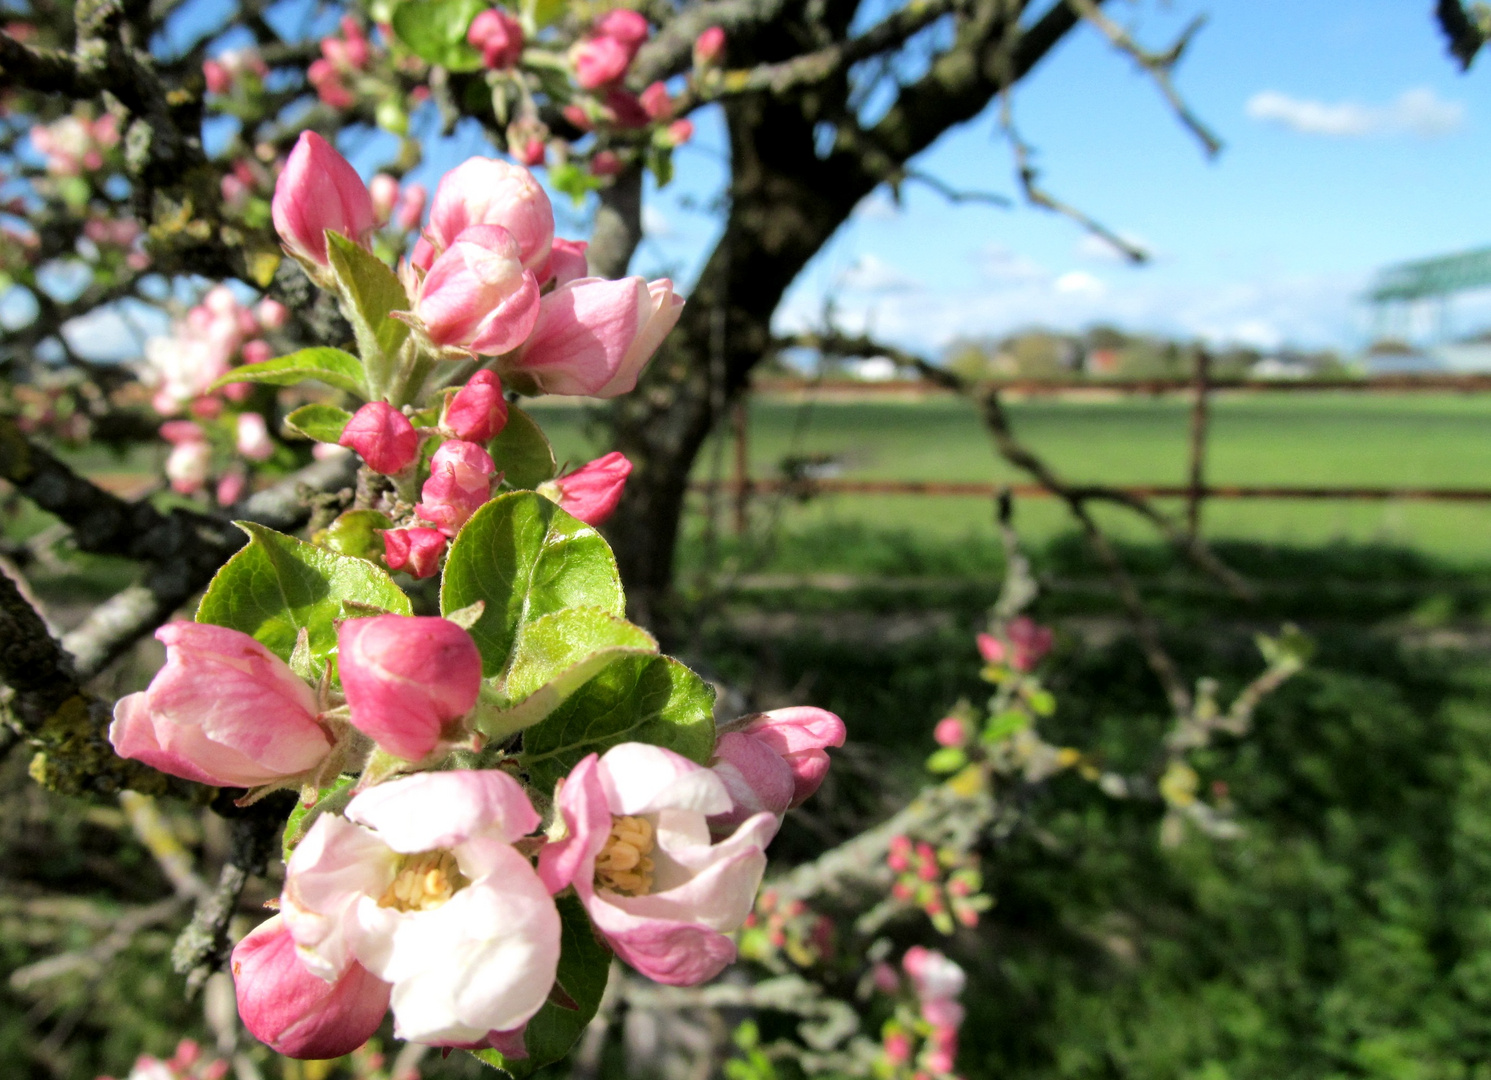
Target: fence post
1199,419
741,419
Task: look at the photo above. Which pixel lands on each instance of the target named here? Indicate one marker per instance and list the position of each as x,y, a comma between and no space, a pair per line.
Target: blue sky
1352,142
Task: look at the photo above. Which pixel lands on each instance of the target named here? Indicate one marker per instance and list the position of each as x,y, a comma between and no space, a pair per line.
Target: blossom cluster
936,982
77,143
434,862
424,895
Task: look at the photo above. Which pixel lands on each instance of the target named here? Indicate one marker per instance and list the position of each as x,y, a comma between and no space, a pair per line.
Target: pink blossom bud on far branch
319,192
411,206
599,61
477,295
593,336
499,36
254,442
489,191
460,483
384,191
295,1012
187,466
408,679
709,47
224,710
626,26
477,412
950,731
383,436
658,102
592,491
606,163
416,550
680,132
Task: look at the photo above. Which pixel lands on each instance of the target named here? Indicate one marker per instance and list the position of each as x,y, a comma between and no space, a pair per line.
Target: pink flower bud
658,102
577,116
477,295
499,37
709,47
383,436
680,132
626,26
254,442
477,412
606,163
416,551
897,1048
950,731
566,263
460,483
411,207
317,192
176,432
489,191
626,110
592,491
384,191
599,61
272,314
218,78
756,777
1030,642
187,466
256,351
223,710
231,488
295,1012
800,735
593,336
408,679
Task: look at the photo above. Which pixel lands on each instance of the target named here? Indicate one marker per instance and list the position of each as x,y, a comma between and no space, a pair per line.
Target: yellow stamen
423,882
623,865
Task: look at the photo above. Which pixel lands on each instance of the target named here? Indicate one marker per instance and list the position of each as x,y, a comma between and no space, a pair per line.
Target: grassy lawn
1325,439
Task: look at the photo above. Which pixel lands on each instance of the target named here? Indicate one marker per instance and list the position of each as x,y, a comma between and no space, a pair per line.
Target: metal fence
1201,388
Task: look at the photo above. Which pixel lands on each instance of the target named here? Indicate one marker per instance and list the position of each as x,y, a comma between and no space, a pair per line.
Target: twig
96,958
957,195
1158,66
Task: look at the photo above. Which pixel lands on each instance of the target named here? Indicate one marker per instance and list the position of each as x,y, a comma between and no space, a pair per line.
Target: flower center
423,882
623,865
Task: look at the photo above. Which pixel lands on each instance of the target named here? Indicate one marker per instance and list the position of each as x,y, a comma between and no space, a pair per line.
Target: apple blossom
187,466
637,852
1028,642
606,163
477,411
499,36
411,206
709,47
415,550
223,710
756,777
599,61
657,101
773,761
420,885
409,679
460,483
477,296
592,491
384,191
624,25
489,191
294,1011
319,192
593,335
626,110
253,441
383,436
950,731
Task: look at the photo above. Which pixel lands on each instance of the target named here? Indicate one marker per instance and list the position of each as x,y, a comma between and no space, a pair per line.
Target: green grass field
1306,438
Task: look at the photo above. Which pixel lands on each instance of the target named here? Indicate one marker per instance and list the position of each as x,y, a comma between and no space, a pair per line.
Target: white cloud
1080,283
872,274
1419,112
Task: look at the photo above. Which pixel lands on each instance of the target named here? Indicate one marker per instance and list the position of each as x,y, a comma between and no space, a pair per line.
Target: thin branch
1158,66
957,195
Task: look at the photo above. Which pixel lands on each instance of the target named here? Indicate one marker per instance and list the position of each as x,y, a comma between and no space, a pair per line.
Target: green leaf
324,423
522,452
584,965
555,656
333,798
525,558
435,30
331,366
948,759
574,181
278,585
357,533
370,290
651,699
